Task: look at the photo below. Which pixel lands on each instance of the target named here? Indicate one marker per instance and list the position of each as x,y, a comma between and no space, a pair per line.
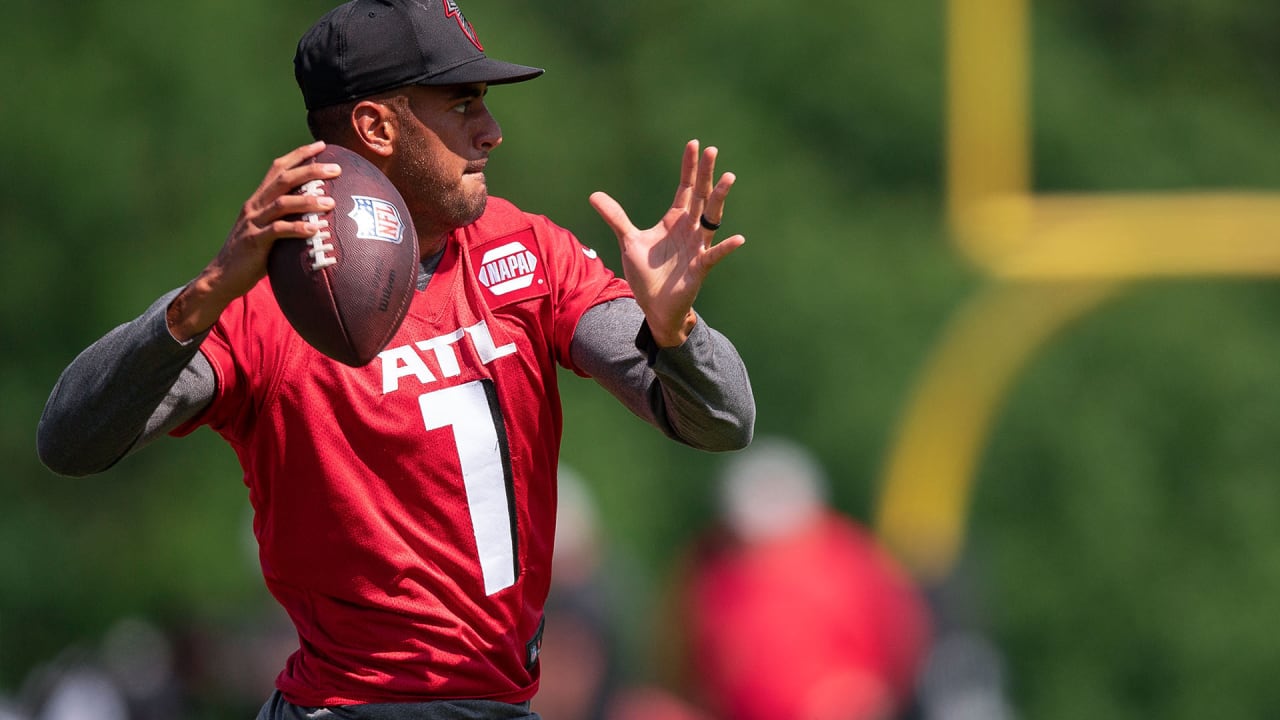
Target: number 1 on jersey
482,455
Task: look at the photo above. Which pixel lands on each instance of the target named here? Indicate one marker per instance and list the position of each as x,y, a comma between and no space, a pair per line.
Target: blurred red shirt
816,624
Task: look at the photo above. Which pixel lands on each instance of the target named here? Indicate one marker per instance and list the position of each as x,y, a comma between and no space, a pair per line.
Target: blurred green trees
1123,526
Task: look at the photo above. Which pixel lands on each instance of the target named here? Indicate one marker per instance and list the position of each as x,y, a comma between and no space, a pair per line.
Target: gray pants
277,708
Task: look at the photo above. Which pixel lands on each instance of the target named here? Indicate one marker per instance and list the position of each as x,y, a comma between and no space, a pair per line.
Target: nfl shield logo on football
376,219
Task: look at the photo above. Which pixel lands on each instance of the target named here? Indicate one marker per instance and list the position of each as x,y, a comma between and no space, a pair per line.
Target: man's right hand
272,212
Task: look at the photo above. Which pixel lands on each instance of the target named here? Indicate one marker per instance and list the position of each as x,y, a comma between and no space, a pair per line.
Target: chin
473,210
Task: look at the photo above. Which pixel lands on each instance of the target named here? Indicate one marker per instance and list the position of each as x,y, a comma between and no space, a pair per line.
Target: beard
436,195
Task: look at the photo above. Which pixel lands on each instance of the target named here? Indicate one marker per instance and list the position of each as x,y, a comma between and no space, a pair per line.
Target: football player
405,510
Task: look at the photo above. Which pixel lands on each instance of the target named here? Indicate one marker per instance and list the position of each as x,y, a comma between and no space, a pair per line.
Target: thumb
612,214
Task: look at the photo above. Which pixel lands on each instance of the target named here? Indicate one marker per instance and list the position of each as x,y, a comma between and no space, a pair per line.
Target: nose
489,133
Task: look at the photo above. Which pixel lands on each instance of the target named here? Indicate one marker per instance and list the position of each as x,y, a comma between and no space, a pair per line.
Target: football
347,288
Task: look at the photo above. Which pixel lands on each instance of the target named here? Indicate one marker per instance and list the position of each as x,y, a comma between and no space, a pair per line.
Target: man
405,510
793,609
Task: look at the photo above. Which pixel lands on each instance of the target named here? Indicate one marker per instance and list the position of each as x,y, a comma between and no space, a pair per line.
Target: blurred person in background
131,674
586,671
793,610
581,650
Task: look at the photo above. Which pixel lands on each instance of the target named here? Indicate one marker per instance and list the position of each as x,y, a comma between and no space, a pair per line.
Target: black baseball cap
364,47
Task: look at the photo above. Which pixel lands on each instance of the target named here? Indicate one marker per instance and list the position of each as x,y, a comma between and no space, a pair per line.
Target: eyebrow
464,92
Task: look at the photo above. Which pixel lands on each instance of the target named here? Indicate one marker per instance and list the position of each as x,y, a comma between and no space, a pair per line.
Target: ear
375,126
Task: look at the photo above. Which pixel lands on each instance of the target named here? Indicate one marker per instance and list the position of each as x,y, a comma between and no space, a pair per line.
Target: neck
429,246
427,268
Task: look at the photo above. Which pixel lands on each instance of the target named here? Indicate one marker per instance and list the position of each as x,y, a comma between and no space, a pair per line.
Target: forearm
698,393
132,385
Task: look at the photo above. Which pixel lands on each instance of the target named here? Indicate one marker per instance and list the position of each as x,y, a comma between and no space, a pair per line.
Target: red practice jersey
405,510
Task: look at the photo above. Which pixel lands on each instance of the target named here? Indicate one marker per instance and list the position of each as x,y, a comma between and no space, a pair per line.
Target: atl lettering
411,360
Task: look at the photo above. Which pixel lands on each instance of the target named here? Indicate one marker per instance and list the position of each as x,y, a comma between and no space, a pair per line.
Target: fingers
699,194
612,214
702,186
696,173
721,250
285,162
295,217
713,208
688,173
299,155
274,210
288,215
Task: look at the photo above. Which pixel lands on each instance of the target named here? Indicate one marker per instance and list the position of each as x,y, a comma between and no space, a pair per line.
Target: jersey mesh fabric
405,510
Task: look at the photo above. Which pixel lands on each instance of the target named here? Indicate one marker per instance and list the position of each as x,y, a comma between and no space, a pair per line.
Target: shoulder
253,319
261,301
502,217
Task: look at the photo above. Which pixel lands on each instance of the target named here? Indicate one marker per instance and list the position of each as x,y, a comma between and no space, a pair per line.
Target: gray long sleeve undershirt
137,383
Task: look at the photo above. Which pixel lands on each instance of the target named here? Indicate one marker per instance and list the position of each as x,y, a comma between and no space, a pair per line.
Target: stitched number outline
471,411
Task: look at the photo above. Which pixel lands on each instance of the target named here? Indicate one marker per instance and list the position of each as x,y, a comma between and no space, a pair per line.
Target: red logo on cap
452,10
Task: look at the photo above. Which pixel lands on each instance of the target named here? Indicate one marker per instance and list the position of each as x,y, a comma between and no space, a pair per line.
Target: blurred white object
964,680
139,656
9,711
577,550
770,489
84,693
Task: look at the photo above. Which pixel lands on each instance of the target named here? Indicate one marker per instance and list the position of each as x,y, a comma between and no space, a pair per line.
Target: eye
462,107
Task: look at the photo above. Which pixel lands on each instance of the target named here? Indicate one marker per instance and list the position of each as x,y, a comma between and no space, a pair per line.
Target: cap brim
483,70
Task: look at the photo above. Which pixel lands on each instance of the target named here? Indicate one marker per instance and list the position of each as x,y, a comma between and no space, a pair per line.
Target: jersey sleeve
580,280
119,393
242,349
